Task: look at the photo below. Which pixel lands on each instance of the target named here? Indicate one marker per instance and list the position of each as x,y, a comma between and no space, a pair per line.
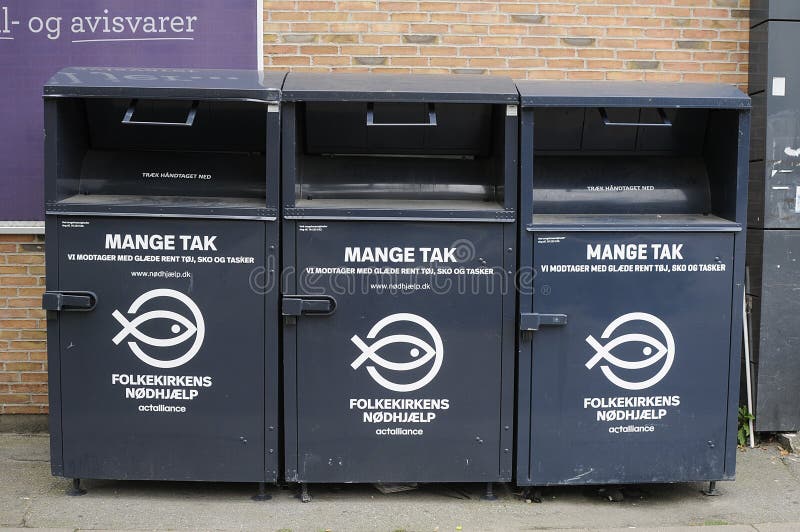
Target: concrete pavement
764,498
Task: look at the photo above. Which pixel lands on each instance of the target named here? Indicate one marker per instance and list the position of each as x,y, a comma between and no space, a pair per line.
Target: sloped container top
456,88
169,83
630,94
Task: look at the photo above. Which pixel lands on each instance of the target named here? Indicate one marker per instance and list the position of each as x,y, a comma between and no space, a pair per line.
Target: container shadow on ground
505,492
767,490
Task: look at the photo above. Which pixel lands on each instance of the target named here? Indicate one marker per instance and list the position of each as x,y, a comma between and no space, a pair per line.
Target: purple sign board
39,37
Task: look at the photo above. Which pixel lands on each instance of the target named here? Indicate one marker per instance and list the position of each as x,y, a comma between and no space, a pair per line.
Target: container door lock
295,306
532,322
73,301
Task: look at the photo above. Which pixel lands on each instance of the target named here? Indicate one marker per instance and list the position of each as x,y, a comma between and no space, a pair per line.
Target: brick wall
23,356
651,40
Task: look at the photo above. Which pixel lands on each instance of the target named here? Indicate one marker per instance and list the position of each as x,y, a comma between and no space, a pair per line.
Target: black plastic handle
129,121
533,321
307,305
430,123
73,301
665,121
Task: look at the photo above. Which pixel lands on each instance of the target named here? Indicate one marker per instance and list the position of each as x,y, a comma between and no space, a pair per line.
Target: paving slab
764,498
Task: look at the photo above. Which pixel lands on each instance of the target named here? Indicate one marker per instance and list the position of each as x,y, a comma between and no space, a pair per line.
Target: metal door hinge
532,322
307,305
73,301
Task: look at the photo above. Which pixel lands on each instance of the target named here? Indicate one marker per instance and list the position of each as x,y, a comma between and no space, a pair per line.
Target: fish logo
194,327
654,351
421,352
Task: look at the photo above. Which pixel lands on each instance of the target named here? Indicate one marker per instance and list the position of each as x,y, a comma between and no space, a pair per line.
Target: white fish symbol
131,328
663,351
604,352
371,352
430,353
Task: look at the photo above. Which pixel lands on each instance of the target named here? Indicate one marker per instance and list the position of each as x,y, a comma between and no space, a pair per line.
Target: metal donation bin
399,197
162,249
633,209
773,238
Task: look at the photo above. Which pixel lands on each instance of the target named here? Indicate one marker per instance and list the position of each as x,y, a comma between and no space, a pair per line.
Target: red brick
23,366
14,398
26,409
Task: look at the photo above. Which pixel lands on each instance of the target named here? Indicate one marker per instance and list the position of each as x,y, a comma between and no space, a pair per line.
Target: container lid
630,94
181,83
456,88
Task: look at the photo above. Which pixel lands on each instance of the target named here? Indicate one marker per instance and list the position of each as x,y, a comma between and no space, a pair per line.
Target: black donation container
399,206
632,230
162,300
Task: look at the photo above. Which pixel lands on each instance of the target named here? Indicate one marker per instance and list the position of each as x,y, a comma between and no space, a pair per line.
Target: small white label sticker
797,200
511,110
778,86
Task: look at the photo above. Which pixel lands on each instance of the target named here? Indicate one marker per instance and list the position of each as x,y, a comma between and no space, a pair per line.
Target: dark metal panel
758,134
735,203
273,380
629,94
289,155
763,10
429,128
755,196
737,299
668,415
51,143
165,83
597,131
310,86
124,391
758,60
754,260
779,343
458,323
273,158
754,322
508,353
727,133
510,163
621,185
459,170
779,74
774,207
524,280
53,352
218,167
775,148
289,360
148,209
389,214
680,223
269,285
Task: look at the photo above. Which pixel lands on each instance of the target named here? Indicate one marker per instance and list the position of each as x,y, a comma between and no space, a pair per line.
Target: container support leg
262,493
304,495
532,495
76,490
711,491
489,495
